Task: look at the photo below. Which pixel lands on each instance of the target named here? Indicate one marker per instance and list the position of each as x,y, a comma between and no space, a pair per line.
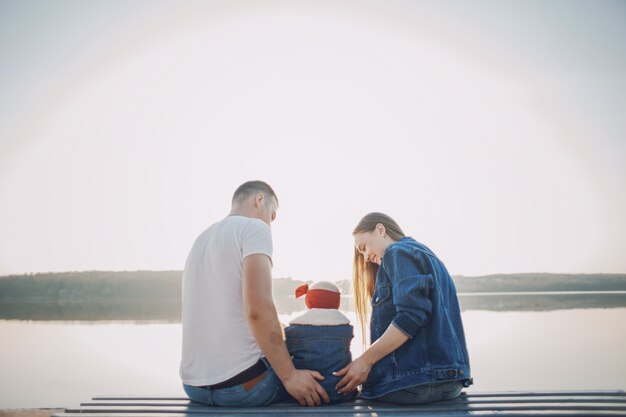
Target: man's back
217,340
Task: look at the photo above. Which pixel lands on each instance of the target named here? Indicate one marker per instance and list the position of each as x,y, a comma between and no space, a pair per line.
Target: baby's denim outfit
325,349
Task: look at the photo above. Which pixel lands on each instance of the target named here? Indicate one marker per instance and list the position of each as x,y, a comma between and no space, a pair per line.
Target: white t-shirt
217,341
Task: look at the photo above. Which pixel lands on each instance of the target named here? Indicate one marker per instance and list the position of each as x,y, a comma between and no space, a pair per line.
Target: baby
320,338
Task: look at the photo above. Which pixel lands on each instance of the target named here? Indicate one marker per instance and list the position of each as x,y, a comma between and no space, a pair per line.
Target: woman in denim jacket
418,352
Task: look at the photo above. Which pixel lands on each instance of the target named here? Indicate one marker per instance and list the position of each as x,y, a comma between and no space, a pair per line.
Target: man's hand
302,385
356,373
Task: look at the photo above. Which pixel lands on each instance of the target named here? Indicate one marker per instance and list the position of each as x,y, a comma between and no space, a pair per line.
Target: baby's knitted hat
322,294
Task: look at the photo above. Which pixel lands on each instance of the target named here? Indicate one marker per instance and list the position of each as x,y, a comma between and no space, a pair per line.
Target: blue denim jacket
415,293
325,349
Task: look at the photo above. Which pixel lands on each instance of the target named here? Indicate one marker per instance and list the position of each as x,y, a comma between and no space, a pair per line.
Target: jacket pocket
381,294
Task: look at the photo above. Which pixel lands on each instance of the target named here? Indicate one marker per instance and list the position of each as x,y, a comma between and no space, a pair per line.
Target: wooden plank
468,394
137,397
433,407
465,399
590,400
546,393
373,413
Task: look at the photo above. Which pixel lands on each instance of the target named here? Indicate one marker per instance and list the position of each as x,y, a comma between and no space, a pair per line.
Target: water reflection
60,364
141,310
170,312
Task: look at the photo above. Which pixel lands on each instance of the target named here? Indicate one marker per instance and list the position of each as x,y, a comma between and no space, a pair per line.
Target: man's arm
263,321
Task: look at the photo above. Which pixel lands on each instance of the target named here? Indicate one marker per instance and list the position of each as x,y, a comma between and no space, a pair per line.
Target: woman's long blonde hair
364,273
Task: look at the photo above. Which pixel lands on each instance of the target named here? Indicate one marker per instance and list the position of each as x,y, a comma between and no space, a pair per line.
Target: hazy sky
492,131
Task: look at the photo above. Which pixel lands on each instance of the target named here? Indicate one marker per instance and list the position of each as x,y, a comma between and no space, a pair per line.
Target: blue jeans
268,390
423,394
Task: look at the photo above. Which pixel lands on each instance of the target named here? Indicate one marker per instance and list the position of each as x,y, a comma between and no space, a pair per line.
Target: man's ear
258,199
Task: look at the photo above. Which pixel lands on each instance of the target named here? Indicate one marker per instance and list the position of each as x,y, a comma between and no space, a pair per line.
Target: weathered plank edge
468,394
543,413
466,400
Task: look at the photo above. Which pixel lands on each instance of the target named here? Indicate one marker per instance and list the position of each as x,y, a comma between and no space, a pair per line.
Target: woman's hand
356,373
358,370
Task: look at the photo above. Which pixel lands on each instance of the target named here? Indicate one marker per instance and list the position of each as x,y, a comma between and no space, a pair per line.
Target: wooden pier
501,404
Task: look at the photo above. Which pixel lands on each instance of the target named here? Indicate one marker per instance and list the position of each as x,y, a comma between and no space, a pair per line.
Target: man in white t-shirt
233,351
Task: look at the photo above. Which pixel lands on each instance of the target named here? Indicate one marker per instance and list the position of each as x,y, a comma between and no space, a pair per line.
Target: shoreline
30,412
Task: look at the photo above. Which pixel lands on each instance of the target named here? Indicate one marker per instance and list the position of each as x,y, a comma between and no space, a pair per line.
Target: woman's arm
410,295
358,370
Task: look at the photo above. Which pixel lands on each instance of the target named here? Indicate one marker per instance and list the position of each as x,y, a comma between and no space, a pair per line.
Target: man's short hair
249,188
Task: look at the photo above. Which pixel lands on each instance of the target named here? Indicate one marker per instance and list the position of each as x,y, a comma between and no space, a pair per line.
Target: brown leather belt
243,376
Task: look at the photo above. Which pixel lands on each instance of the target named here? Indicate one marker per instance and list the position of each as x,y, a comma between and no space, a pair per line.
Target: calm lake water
60,364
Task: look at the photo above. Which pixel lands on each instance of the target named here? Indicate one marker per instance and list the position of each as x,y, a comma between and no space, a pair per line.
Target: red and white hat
322,294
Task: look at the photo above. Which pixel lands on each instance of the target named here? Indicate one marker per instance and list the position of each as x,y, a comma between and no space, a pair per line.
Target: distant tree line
541,282
156,295
92,286
166,285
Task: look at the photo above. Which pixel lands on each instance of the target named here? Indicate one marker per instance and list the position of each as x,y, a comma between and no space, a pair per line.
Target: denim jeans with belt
268,390
423,394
